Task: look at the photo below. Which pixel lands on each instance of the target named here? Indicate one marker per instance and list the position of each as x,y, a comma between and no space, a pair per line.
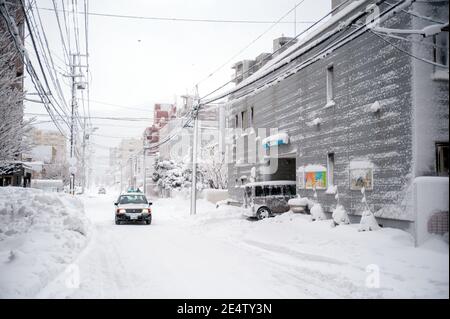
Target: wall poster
361,177
315,177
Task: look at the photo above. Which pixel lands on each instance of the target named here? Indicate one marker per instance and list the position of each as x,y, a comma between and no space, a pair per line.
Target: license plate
134,216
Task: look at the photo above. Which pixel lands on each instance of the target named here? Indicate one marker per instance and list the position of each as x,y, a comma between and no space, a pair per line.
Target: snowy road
226,256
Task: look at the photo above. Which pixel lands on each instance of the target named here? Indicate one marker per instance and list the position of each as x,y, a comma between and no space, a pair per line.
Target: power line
276,51
120,106
12,29
51,66
66,51
111,15
407,53
49,93
134,119
252,42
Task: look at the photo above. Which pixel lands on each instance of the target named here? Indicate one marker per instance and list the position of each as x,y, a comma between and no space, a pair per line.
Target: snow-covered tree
13,128
213,167
171,175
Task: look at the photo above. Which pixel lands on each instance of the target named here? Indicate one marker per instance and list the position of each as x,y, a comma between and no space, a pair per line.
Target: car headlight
121,211
146,210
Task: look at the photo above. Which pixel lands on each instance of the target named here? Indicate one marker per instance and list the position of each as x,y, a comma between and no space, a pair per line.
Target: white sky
137,63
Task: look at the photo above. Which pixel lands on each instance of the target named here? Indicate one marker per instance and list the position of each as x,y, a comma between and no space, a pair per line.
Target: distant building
48,155
16,174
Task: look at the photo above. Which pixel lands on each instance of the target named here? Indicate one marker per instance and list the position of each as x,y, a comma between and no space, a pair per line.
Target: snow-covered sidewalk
219,254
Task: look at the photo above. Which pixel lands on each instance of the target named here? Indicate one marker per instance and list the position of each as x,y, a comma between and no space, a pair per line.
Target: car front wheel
263,213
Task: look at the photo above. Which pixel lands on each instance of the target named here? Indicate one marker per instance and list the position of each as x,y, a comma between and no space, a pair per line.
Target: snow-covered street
219,254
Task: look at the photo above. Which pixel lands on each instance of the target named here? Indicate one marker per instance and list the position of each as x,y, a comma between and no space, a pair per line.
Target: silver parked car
265,199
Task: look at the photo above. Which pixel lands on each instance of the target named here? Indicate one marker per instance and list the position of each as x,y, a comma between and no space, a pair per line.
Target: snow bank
317,212
215,195
40,234
311,257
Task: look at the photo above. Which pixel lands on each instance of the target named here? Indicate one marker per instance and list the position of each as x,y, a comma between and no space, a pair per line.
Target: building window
252,114
440,50
236,121
330,84
330,169
442,159
244,118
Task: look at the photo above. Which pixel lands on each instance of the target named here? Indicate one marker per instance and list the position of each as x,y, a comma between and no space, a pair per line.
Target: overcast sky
136,63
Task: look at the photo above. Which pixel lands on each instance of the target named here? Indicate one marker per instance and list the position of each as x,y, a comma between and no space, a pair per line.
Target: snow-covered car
265,199
133,207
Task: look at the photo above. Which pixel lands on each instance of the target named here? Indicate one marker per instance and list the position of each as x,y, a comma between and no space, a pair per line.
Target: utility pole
144,168
194,158
75,86
86,137
194,168
83,161
72,118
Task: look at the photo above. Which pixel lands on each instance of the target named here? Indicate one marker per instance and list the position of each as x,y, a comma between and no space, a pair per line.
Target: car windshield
132,199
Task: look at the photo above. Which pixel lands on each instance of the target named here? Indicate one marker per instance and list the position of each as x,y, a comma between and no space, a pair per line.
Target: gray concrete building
361,101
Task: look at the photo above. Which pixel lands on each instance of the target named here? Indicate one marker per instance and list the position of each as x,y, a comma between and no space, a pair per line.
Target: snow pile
340,216
300,201
40,234
215,195
315,168
375,107
315,122
331,189
317,212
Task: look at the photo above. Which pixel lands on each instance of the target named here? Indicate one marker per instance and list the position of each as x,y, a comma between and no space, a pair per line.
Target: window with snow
330,84
244,118
440,42
442,159
330,169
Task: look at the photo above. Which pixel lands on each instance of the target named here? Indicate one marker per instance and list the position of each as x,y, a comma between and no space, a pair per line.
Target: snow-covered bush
340,216
368,220
317,212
